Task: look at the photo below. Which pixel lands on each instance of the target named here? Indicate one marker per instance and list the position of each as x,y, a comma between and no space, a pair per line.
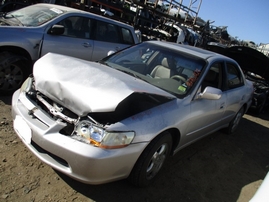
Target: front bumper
83,162
262,194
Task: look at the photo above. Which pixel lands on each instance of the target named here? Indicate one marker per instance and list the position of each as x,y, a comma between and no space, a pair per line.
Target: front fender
21,39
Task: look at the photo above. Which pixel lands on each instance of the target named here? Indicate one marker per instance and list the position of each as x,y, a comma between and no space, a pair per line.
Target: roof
199,52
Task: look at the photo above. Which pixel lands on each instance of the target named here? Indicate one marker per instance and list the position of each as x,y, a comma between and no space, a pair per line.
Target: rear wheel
151,160
13,71
235,122
261,106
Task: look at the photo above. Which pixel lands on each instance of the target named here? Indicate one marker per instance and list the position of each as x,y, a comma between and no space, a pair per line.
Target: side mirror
110,52
210,93
56,30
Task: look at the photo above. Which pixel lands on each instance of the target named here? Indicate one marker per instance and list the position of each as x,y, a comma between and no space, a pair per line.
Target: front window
168,69
213,77
33,16
77,27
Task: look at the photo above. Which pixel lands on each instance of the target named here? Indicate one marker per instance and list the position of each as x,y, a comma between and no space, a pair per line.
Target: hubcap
237,120
156,161
11,78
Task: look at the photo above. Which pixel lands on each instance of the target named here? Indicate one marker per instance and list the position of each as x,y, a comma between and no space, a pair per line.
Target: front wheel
151,160
235,122
13,71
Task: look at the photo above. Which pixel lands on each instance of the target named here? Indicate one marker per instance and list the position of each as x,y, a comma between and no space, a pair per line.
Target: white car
177,12
160,5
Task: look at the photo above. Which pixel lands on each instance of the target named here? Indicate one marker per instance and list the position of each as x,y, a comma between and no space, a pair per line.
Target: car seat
165,70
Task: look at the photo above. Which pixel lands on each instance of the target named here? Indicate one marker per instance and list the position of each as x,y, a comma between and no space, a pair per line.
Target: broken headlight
27,84
88,132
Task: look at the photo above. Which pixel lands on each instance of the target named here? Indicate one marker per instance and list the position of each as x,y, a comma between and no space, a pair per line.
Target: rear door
234,88
75,41
110,37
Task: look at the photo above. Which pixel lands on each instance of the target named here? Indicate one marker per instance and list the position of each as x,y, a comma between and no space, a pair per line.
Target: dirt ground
218,168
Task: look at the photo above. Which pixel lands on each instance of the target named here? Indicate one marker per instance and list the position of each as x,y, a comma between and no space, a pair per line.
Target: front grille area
32,95
43,151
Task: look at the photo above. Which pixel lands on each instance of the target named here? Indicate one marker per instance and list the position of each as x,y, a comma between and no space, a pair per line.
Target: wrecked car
125,115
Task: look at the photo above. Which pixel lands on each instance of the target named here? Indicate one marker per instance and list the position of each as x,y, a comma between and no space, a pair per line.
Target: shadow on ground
215,168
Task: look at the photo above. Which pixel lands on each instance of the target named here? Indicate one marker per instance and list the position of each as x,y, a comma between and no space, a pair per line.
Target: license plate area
22,129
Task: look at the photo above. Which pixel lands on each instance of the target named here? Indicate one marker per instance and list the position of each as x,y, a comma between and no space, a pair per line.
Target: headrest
169,62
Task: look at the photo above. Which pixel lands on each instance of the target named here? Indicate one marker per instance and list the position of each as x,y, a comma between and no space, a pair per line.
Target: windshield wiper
5,21
13,16
3,14
123,70
103,62
132,74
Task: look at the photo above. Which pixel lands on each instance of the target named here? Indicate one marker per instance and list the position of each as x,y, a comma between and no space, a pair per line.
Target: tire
151,160
235,122
13,72
261,106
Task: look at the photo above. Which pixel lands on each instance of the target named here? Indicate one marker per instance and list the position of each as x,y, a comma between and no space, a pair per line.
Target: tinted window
78,27
106,32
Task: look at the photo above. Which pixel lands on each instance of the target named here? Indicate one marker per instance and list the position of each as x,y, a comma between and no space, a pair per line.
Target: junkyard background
219,168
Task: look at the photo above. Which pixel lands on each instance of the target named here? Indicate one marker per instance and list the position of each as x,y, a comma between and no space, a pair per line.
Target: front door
75,41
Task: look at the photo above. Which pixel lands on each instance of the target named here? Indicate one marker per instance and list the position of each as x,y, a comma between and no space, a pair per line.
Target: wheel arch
245,107
175,133
19,52
15,67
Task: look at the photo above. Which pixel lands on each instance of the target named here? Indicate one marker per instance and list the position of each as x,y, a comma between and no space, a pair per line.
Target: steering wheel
178,77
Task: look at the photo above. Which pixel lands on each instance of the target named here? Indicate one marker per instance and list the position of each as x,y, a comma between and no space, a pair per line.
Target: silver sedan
124,116
31,32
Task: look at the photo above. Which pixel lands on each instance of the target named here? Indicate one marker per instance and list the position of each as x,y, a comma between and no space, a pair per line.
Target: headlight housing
26,86
89,133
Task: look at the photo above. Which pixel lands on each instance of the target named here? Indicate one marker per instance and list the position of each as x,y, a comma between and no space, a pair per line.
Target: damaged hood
84,86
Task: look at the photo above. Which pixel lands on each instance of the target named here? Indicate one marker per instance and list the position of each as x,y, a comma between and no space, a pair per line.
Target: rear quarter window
127,36
107,32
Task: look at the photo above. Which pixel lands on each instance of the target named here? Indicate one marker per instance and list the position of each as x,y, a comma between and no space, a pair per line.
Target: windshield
33,16
171,70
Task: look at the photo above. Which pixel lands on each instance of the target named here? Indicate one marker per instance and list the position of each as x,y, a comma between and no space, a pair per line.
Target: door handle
117,48
86,44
